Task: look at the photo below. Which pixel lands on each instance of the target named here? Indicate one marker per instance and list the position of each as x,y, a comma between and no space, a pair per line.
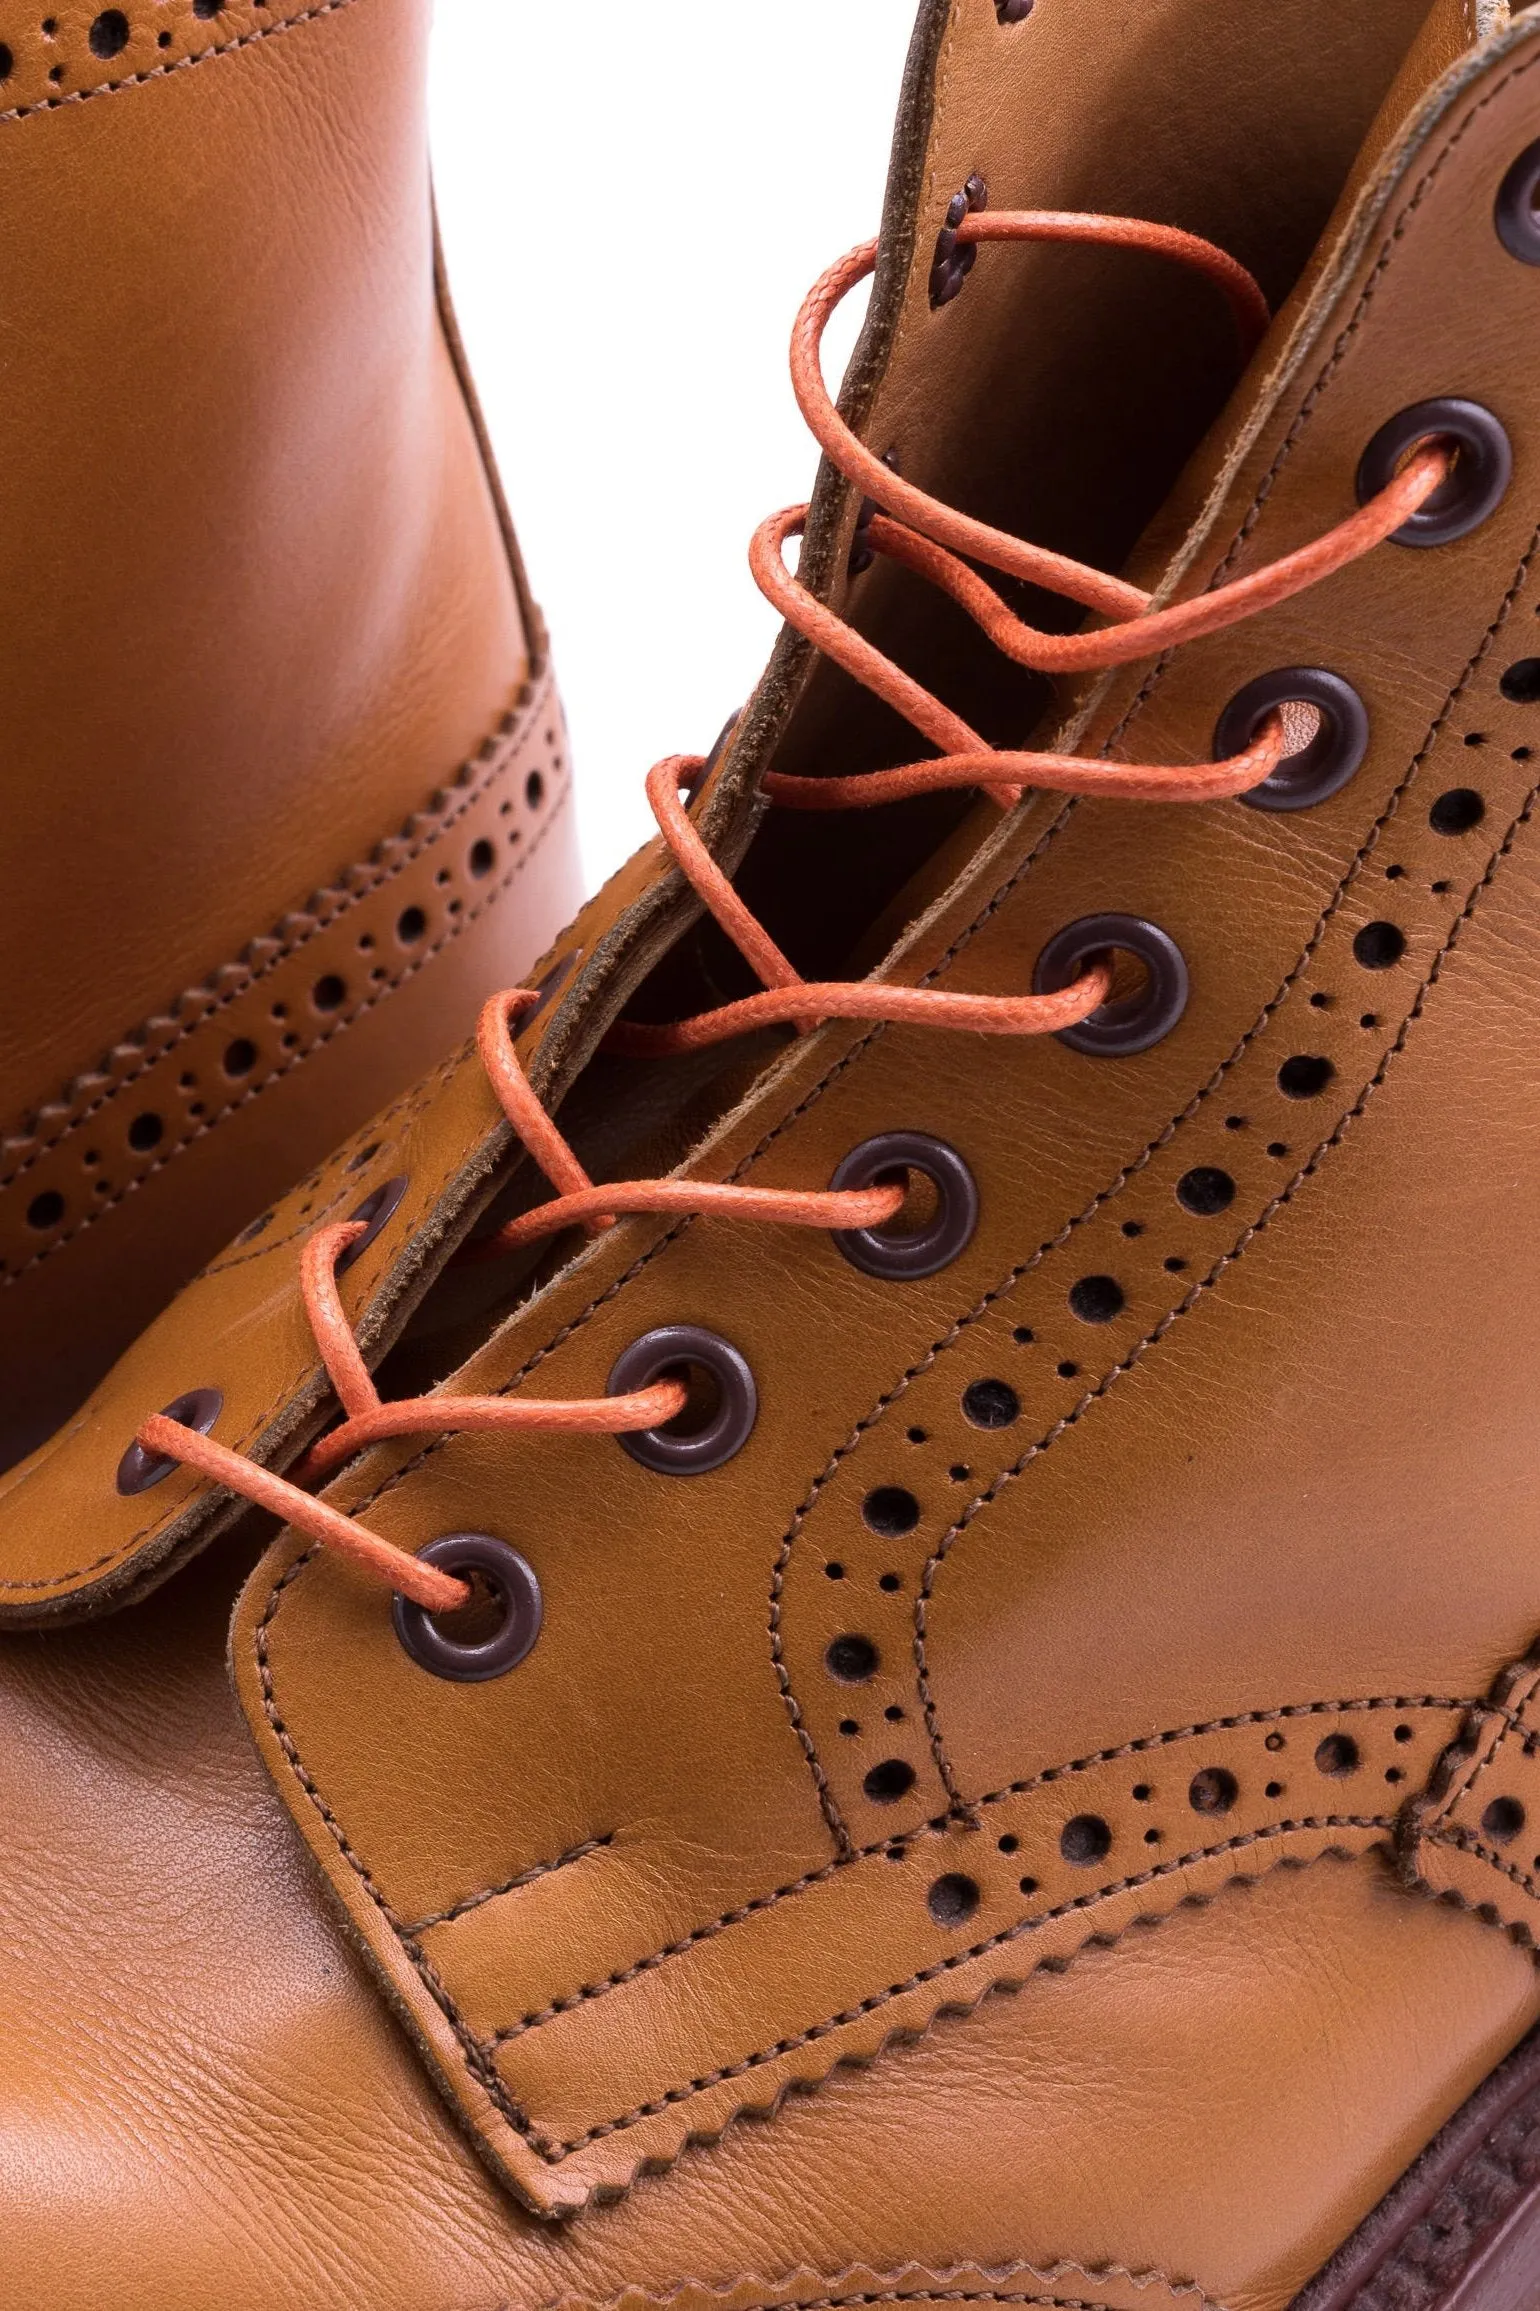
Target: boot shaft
271,656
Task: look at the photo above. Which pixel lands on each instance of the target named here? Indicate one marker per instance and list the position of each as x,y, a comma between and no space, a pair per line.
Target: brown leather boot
1021,1708
281,748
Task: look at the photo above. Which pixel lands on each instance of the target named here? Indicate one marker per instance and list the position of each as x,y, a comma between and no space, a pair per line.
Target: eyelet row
695,1444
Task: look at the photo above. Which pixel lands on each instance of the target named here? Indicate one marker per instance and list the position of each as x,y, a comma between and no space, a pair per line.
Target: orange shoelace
931,540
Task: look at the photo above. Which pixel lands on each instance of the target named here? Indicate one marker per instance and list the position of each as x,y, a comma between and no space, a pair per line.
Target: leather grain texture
269,647
1059,1929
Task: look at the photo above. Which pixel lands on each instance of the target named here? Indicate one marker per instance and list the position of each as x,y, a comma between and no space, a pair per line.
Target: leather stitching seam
1278,1203
397,1477
354,883
938,1826
529,1877
182,64
260,1422
305,1052
957,1959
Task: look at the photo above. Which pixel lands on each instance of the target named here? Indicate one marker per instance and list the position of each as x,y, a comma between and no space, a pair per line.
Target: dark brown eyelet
1119,1029
1332,756
1482,472
515,1593
1518,208
376,1212
673,1350
890,1253
139,1471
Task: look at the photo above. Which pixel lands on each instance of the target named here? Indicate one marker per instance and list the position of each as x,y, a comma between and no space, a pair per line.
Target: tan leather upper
270,673
1223,1593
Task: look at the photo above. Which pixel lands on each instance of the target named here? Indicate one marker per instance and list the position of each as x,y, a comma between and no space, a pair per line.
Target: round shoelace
940,545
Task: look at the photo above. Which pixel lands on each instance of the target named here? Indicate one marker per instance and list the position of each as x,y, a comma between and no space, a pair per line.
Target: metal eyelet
1474,489
890,1253
953,263
1332,756
1118,1029
140,1471
671,1350
376,1212
1518,208
515,1590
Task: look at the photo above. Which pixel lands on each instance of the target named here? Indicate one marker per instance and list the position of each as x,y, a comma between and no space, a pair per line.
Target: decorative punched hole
1337,1756
849,1727
146,1131
1503,1820
1014,11
207,8
959,1473
953,1900
364,1157
852,1660
891,1510
1142,1792
483,858
1085,1840
1097,1299
893,1714
241,1056
1213,1791
917,1435
7,63
1023,1336
1133,1229
1009,1844
1277,1149
46,1210
890,1781
109,34
1379,946
330,992
1175,1266
1026,1885
1275,1741
991,1404
1304,1076
1205,1191
1068,1371
534,790
1456,812
890,1583
1405,1733
834,1572
1275,1789
410,925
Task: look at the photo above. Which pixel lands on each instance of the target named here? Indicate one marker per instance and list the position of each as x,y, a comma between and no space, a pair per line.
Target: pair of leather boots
843,1616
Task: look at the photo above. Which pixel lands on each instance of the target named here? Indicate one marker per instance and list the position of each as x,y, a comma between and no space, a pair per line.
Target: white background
634,201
